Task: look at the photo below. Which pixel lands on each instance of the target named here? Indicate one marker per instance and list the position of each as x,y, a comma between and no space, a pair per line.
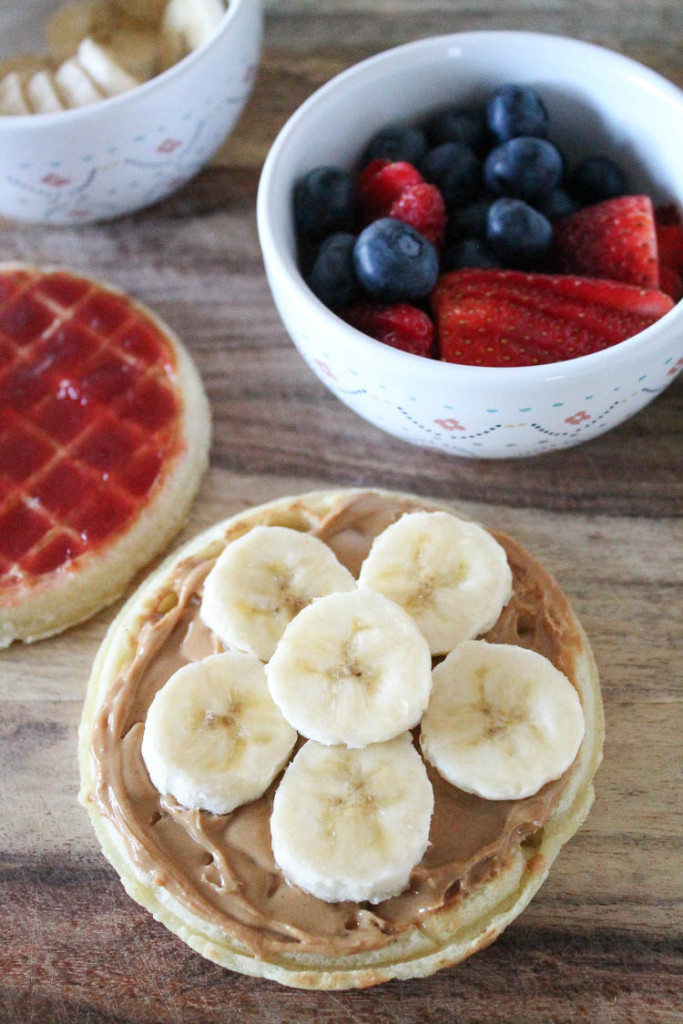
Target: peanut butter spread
221,868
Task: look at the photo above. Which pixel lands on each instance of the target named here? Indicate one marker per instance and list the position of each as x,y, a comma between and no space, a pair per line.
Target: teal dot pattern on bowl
542,426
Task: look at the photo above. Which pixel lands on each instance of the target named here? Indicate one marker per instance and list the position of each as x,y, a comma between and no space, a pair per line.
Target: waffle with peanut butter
340,738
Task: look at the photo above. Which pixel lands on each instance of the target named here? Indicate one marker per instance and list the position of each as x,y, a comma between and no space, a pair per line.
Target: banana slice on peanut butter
351,669
262,580
451,575
352,824
502,721
213,738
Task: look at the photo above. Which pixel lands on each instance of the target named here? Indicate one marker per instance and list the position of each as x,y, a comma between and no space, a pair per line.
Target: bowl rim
278,255
30,122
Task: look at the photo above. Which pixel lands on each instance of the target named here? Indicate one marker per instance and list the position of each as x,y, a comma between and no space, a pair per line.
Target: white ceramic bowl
101,161
599,101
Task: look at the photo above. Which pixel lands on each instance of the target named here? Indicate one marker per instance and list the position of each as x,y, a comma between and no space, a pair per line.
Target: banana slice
72,22
102,67
352,824
136,50
262,580
213,737
186,25
451,575
501,722
76,86
12,98
351,668
42,94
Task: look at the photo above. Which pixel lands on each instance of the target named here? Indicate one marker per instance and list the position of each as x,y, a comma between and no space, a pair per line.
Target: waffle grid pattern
89,417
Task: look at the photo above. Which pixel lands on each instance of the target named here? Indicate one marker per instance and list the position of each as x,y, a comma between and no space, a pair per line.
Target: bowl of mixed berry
475,241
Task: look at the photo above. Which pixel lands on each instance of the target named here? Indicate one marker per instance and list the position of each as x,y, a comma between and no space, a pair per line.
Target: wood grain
602,940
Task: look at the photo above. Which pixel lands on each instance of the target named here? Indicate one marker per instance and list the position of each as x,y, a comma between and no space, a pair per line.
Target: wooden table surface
602,940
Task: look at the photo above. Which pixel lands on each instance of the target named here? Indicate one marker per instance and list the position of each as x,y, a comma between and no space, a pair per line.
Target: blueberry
526,168
517,233
558,204
597,178
455,170
332,277
397,142
469,221
470,252
516,110
456,125
324,202
394,262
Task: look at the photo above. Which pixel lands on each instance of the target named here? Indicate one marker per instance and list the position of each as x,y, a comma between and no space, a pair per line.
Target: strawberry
512,318
671,283
402,326
670,245
614,239
668,213
422,207
669,232
379,185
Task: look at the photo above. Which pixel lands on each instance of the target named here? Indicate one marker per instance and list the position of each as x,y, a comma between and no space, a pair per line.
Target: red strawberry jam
89,418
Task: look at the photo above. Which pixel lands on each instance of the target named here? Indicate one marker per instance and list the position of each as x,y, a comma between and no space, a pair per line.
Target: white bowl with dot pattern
111,158
598,101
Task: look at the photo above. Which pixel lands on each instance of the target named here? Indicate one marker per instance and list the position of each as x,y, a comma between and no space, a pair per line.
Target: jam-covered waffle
92,422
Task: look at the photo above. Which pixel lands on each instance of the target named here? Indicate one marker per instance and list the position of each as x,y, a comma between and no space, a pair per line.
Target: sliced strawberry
470,331
668,214
615,239
648,303
402,326
670,246
511,318
422,207
671,283
379,185
367,174
669,229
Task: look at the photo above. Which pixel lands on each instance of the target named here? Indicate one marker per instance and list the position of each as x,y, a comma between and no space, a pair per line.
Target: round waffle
104,432
212,879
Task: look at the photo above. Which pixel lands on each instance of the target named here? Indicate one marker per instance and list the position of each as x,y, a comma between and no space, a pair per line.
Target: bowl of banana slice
107,106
